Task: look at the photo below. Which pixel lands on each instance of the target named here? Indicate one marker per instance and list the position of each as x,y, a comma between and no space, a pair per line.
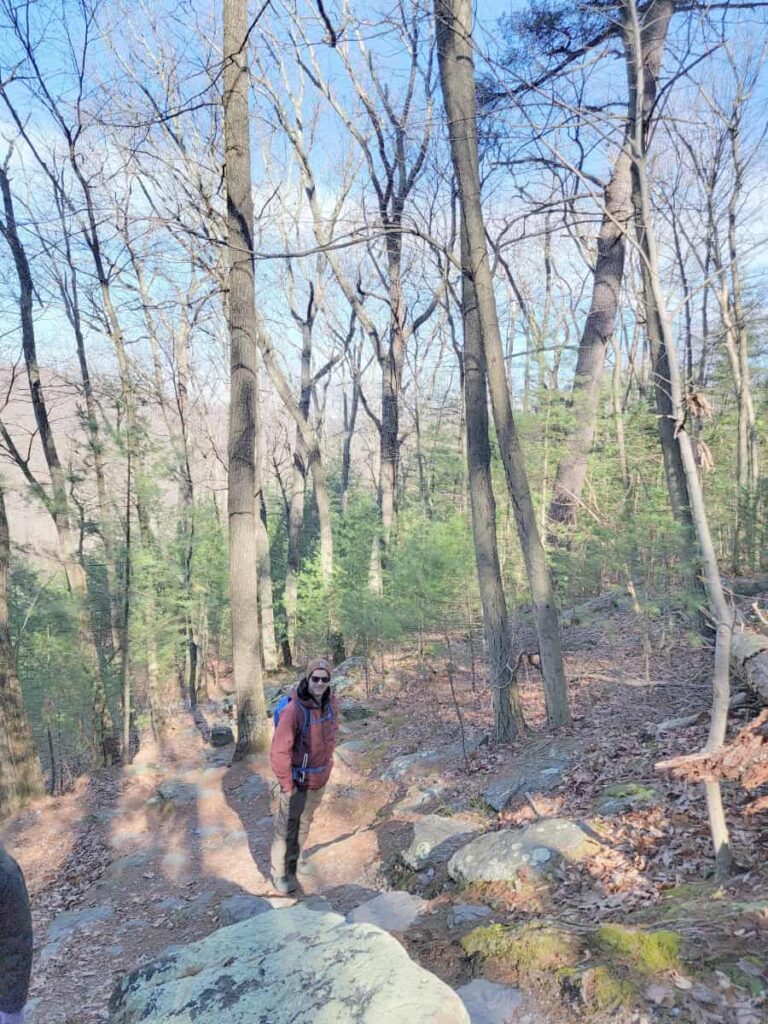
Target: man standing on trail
15,940
302,757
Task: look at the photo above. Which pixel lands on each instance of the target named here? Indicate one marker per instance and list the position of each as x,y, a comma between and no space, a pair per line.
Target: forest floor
158,853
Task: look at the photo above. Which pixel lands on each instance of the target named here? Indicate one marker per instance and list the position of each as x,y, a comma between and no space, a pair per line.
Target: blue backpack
282,704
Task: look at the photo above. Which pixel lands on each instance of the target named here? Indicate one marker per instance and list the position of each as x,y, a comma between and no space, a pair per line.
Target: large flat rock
537,775
435,840
535,850
297,966
393,911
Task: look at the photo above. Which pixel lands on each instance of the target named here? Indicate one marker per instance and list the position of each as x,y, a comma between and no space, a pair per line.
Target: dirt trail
138,859
172,847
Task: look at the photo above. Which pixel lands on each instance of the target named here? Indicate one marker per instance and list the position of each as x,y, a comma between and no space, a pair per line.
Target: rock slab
393,911
296,966
535,850
490,1003
435,840
538,776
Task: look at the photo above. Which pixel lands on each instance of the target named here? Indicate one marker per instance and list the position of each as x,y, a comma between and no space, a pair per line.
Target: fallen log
743,760
749,661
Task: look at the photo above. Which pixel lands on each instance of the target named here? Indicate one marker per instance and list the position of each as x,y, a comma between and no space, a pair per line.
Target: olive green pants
293,816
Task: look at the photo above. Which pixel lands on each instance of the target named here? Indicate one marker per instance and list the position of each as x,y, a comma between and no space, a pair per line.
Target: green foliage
430,568
645,952
54,680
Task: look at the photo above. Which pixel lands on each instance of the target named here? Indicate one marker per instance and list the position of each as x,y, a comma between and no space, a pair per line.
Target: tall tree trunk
315,462
656,19
598,330
507,709
70,293
455,55
266,605
719,609
350,421
747,449
20,777
195,681
243,547
298,495
606,287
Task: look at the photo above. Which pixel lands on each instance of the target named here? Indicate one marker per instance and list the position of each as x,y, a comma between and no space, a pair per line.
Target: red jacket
294,741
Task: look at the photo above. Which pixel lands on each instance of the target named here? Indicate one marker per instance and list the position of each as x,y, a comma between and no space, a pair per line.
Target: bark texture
241,448
454,37
507,709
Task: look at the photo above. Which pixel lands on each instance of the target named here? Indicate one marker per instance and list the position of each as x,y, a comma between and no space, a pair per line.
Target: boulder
535,850
353,710
490,1003
536,776
221,736
299,965
416,798
406,762
350,751
240,907
435,840
348,674
393,911
626,796
462,914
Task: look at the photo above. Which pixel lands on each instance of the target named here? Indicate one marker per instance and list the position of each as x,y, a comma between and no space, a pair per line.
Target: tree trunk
350,421
655,300
598,330
453,24
507,709
298,495
20,777
747,449
241,448
608,276
266,604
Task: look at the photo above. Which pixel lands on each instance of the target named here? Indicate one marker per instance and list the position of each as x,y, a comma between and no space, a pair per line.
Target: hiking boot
284,885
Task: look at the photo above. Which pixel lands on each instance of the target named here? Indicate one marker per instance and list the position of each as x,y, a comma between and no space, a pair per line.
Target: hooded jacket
15,936
294,740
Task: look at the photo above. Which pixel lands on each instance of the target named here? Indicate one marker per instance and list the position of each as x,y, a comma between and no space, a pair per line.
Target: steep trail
164,851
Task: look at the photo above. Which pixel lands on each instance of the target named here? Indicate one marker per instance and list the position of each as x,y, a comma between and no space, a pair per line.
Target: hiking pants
293,817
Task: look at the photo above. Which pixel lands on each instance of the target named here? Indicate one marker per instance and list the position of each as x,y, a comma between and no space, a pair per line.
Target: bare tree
58,502
455,54
678,429
241,450
508,711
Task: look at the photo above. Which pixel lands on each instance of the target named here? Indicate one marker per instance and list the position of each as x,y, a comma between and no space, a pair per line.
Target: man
15,940
302,758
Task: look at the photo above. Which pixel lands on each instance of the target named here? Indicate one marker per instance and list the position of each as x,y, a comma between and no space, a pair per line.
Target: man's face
318,683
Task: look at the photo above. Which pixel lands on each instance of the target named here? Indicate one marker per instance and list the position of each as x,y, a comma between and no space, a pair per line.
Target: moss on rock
526,952
645,952
603,990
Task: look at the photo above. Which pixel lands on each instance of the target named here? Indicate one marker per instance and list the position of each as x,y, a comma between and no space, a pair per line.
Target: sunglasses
320,679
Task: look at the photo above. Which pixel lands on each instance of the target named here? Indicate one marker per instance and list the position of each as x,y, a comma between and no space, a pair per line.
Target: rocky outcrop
535,850
539,774
301,966
435,840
